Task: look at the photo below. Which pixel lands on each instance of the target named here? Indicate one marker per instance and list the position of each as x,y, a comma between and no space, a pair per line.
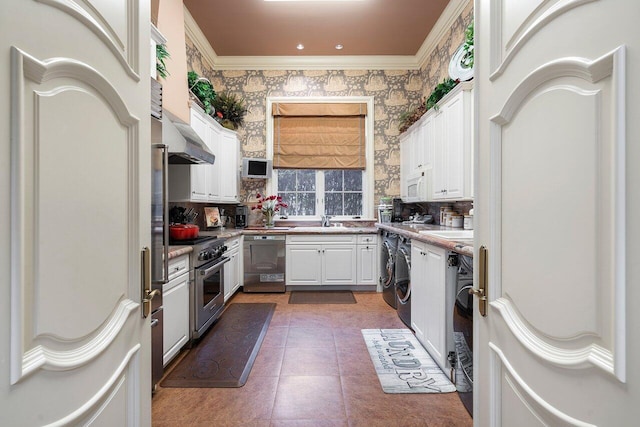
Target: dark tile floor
313,369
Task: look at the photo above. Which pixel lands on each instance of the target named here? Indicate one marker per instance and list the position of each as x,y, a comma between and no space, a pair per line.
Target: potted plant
439,92
230,110
202,89
269,205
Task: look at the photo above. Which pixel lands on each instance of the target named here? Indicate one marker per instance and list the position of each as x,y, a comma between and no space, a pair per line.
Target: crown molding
193,31
335,62
364,62
443,24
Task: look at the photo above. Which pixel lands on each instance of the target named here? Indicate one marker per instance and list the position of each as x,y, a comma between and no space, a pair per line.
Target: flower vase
268,216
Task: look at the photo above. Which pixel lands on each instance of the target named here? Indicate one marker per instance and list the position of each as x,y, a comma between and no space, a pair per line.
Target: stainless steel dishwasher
264,263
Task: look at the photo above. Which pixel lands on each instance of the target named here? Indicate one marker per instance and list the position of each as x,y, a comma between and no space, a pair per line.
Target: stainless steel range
207,282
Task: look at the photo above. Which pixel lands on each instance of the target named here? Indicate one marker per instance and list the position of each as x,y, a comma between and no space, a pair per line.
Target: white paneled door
556,207
74,212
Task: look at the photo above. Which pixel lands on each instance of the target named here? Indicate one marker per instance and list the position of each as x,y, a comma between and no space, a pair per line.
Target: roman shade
319,135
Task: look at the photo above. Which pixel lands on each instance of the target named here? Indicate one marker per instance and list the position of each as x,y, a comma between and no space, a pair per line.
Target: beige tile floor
313,369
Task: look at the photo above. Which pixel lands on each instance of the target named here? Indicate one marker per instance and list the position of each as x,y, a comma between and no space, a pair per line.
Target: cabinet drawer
233,243
178,266
368,239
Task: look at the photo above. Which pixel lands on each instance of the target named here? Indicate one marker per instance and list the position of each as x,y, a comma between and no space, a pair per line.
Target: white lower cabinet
367,261
175,300
321,260
233,275
428,298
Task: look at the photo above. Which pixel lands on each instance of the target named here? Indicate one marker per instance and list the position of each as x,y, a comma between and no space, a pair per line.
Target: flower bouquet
269,205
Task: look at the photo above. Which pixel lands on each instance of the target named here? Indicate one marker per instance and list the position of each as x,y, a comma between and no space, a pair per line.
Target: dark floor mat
322,297
225,355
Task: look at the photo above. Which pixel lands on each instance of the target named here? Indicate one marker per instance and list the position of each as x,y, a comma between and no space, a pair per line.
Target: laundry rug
322,297
402,364
225,355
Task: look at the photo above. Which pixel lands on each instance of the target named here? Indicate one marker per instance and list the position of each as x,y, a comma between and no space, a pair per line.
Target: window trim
368,181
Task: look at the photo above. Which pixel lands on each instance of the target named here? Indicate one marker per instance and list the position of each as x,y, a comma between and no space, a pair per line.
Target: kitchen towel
402,364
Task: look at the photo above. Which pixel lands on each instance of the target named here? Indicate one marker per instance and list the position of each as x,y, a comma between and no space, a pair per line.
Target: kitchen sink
330,229
449,234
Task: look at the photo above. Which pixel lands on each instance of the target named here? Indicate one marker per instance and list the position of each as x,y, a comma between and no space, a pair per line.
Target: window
311,193
342,192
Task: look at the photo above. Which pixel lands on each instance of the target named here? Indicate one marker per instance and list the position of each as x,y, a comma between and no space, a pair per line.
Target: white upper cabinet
436,152
208,183
453,146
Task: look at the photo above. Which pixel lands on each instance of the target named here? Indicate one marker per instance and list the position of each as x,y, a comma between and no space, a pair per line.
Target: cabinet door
416,149
231,274
199,188
453,123
304,264
339,264
237,267
405,160
419,297
439,156
434,321
367,265
228,167
427,142
200,124
213,171
175,332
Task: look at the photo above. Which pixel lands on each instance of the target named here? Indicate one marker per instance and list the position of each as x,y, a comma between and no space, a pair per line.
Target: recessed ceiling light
300,45
339,46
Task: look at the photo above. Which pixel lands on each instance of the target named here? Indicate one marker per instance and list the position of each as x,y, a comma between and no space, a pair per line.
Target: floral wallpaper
394,92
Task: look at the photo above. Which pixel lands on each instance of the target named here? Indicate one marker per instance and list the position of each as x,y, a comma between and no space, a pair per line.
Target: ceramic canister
468,222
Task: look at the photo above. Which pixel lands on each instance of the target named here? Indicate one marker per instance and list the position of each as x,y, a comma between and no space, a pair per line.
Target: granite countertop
229,233
176,251
412,231
311,230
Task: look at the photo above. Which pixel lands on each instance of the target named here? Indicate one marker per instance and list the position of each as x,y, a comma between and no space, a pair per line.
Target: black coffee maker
241,216
398,213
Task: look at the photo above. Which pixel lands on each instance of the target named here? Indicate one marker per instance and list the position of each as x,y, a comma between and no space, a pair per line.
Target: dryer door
403,275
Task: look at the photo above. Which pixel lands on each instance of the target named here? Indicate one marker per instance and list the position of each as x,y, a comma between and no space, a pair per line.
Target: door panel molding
37,340
540,409
555,351
121,382
503,49
76,354
601,344
123,46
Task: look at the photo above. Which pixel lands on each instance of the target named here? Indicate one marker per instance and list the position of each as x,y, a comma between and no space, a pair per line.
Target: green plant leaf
161,55
203,90
231,107
439,92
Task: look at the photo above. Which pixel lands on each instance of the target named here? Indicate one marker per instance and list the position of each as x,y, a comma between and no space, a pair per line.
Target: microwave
418,186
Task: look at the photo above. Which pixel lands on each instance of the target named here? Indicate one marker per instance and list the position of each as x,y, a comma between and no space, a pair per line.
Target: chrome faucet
326,221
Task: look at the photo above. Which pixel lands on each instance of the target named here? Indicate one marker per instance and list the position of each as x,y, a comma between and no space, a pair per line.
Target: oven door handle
224,260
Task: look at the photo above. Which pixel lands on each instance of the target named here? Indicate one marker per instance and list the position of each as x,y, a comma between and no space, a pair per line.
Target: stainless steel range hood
185,146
